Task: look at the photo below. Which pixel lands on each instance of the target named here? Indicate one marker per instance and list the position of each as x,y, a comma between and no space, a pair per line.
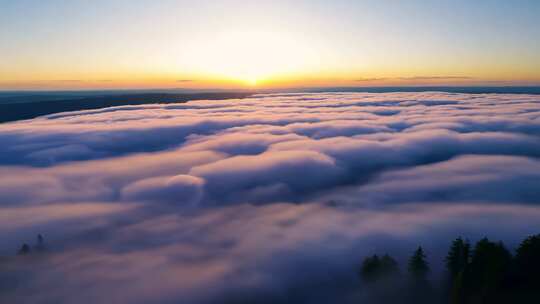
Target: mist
268,199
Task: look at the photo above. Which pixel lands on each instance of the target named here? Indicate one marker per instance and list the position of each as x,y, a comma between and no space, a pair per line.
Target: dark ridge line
28,110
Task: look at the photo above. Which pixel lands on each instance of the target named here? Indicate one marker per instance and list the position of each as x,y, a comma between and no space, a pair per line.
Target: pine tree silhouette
420,290
526,275
457,262
25,249
40,243
389,266
370,270
490,264
418,266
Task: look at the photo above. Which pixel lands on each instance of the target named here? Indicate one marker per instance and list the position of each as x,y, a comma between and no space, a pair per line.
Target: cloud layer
246,199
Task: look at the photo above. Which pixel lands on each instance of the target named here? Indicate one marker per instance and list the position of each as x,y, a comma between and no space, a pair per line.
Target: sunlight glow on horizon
250,56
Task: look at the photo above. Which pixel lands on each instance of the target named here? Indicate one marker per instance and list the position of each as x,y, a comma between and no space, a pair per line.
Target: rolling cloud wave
166,202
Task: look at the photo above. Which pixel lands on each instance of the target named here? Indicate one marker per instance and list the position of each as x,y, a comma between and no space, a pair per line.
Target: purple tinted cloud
212,200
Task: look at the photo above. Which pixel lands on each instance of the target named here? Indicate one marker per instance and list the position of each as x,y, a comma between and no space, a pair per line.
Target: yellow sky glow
260,58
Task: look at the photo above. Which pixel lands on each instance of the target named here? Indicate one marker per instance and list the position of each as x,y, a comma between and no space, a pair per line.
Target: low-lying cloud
235,200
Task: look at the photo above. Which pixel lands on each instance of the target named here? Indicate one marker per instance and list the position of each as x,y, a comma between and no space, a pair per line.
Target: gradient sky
208,44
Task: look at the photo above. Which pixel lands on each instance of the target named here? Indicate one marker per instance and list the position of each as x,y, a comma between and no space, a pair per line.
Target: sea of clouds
269,199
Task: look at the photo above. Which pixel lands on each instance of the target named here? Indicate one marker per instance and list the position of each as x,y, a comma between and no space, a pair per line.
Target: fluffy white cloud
273,175
156,203
184,189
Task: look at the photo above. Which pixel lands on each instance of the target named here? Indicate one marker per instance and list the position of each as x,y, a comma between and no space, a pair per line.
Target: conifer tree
457,262
490,263
25,249
418,266
370,270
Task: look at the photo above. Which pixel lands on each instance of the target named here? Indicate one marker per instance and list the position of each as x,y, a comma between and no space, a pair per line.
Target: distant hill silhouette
39,105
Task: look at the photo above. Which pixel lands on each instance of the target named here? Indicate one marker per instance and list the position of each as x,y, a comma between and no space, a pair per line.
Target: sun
251,57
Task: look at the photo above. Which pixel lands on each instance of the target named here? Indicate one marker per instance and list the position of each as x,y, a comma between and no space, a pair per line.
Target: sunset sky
242,44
